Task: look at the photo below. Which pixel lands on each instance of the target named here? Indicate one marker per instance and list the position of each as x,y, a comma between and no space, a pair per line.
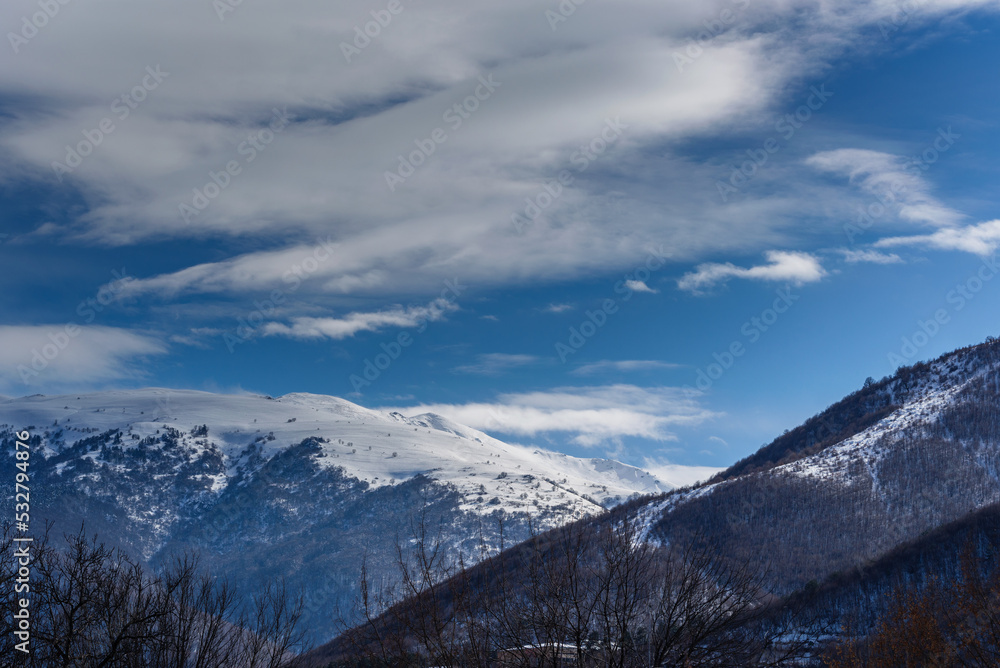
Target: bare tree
944,622
595,592
93,606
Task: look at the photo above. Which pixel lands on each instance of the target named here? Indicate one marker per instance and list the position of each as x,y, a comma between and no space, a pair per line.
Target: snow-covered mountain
376,448
302,486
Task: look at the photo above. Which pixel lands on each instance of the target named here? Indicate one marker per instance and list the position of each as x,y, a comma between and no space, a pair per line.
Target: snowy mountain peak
375,447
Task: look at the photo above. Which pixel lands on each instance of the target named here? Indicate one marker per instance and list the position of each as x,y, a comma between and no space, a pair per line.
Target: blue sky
633,232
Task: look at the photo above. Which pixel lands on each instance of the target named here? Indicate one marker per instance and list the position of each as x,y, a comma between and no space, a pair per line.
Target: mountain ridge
844,418
926,453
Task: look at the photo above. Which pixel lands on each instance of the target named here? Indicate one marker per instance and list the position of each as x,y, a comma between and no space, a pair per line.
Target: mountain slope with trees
929,455
842,527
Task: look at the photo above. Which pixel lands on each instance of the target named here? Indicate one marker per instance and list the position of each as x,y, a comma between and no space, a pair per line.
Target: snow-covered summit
375,447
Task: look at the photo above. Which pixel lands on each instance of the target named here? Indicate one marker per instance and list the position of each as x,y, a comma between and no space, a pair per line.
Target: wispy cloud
352,323
679,475
494,363
623,366
981,239
639,286
53,357
898,181
557,308
788,266
325,173
891,179
869,256
591,415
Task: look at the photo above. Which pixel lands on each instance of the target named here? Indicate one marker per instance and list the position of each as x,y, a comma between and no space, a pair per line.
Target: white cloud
980,239
788,266
557,308
897,181
869,256
639,286
623,366
679,475
893,180
352,323
351,121
325,172
493,363
593,415
53,357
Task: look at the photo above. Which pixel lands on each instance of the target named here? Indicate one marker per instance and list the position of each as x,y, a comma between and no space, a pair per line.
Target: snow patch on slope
930,399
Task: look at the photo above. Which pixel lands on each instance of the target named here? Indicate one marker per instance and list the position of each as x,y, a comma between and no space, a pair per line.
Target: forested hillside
929,455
